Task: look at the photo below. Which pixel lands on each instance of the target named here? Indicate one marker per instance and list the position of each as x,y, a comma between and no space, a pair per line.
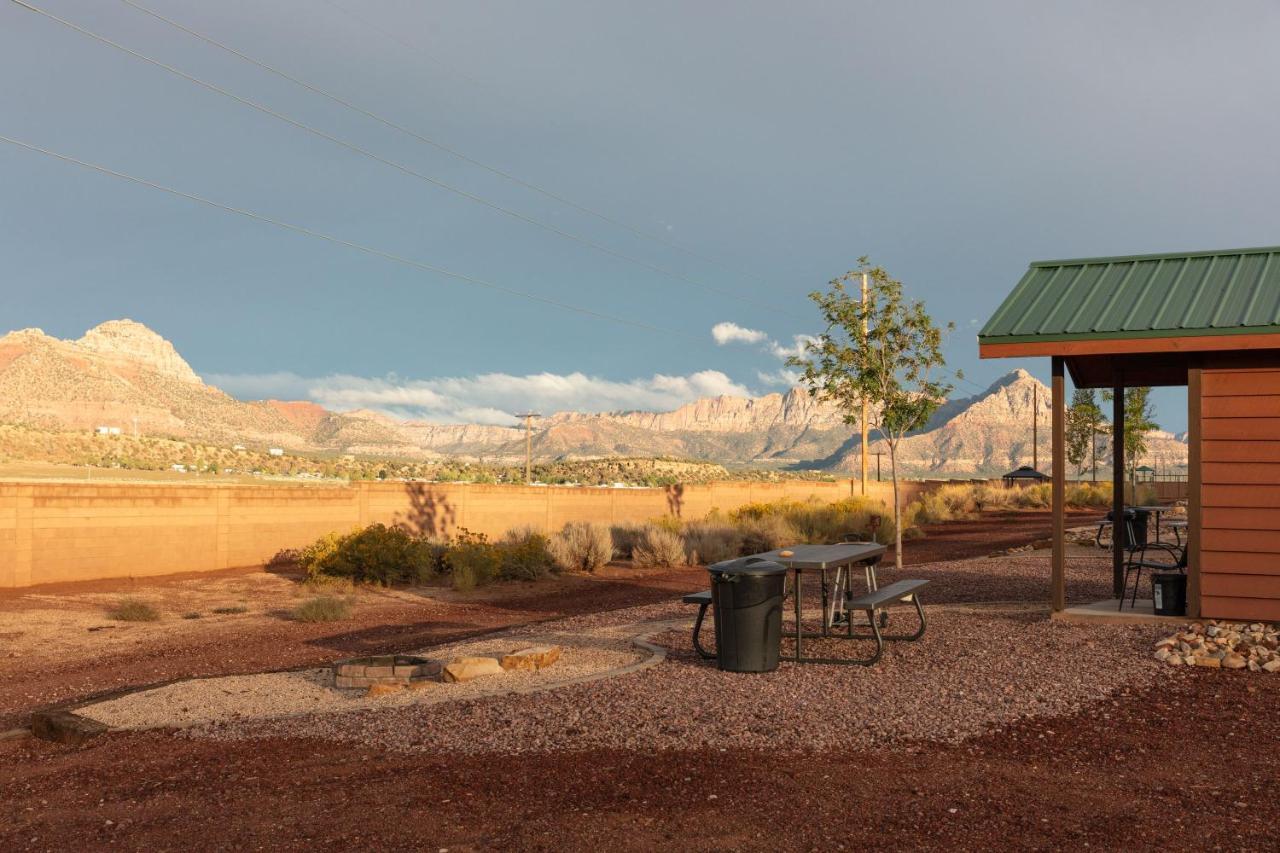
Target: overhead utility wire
639,232
350,146
360,247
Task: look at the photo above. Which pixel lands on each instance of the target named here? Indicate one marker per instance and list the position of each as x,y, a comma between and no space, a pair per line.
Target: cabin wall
1239,491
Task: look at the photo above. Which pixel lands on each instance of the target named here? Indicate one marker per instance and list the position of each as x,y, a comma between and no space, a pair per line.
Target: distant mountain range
121,374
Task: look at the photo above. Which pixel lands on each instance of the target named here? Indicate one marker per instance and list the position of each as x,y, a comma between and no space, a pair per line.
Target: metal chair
1137,549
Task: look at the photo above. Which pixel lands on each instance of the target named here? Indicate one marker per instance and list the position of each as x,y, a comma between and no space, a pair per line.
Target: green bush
323,608
133,610
524,555
377,554
708,542
582,546
471,561
658,546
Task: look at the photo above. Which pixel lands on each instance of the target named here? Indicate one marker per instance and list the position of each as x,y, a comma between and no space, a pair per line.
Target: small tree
884,350
1085,422
1139,419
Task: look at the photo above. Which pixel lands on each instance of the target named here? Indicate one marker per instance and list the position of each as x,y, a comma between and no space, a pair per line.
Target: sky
723,159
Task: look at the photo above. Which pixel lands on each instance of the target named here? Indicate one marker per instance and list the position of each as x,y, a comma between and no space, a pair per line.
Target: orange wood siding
1239,540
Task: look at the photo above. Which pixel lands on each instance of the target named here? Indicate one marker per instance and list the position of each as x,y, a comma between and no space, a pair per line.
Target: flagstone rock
469,669
531,658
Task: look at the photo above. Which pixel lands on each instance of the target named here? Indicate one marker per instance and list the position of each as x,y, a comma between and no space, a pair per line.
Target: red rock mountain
121,374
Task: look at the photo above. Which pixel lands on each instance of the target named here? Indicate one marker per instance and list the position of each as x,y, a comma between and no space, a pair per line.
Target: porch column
1117,491
1194,478
1058,569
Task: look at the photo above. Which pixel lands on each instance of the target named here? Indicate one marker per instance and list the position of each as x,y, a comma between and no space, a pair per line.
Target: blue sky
950,142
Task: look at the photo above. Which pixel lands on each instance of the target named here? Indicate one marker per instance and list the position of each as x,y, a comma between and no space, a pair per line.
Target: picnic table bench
841,558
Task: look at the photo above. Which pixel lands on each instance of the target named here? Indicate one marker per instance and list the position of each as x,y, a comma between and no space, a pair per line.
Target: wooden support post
1193,491
1059,565
1117,491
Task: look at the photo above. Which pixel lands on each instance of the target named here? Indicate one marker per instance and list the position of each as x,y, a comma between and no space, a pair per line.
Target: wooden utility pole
528,444
863,449
1035,427
1058,564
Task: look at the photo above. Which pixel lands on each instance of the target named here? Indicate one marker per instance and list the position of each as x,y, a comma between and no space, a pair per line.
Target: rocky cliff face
129,344
122,371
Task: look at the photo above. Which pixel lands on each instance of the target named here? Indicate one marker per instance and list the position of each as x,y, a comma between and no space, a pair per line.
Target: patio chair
1139,555
1130,517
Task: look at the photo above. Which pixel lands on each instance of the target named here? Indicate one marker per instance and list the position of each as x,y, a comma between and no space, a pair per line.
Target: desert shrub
815,521
581,546
471,560
524,555
285,558
377,554
1145,495
766,533
624,538
1089,494
323,608
193,615
230,610
929,508
1038,496
658,546
669,523
133,610
710,542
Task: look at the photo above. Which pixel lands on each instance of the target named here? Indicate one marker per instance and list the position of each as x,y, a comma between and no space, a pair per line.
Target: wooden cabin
1209,321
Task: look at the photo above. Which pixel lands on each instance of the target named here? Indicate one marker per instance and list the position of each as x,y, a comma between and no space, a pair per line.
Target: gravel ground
977,668
284,694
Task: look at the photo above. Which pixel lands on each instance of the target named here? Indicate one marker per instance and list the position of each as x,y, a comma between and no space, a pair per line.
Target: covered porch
1209,321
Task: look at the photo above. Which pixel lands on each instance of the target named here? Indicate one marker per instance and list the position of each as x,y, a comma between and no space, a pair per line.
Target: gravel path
977,668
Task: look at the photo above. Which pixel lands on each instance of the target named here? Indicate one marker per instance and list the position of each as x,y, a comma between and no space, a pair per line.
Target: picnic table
1158,511
842,558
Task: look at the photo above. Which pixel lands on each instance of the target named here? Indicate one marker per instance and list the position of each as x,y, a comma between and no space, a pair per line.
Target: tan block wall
55,532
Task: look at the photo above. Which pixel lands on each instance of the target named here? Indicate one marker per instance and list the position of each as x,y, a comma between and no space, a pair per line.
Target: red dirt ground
1191,764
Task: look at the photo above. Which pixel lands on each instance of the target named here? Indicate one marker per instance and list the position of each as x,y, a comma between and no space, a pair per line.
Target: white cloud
489,398
732,333
797,348
781,377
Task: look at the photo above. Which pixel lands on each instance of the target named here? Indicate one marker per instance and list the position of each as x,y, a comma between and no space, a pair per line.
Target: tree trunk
897,507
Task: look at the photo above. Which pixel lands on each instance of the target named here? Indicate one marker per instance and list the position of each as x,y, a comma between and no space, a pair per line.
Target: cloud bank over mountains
488,398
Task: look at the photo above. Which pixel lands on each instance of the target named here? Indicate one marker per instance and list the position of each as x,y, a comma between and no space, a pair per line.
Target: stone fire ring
385,669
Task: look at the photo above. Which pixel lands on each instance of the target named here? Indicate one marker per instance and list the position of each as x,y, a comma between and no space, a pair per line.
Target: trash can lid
747,566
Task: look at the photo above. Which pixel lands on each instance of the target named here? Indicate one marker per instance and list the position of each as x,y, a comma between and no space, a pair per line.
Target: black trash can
746,595
1169,593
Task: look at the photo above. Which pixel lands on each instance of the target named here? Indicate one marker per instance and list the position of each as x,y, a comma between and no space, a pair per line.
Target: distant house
276,451
107,430
237,447
179,467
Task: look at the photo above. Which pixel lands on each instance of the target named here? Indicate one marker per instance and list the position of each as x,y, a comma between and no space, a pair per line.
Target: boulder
376,690
531,658
1271,665
1234,661
1211,663
469,669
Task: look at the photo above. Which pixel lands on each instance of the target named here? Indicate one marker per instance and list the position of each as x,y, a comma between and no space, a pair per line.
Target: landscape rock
532,657
469,669
376,690
1222,645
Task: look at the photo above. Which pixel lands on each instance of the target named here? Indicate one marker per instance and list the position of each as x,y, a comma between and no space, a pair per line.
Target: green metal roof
1142,296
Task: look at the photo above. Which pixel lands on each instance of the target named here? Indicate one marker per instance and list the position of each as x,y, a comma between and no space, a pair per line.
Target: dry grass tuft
133,610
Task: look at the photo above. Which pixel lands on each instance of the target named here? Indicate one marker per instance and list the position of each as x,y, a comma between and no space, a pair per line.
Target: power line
639,232
350,146
369,250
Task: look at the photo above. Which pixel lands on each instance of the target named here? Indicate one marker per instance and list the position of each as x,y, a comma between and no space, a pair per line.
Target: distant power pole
878,455
863,450
1035,427
528,444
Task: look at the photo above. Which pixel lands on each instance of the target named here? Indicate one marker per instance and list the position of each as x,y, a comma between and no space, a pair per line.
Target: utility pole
878,455
862,451
528,444
1035,426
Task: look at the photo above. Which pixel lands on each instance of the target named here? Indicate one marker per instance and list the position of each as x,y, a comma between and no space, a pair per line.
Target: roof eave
1125,343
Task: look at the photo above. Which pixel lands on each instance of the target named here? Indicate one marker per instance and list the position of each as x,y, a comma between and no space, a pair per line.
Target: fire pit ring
385,669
